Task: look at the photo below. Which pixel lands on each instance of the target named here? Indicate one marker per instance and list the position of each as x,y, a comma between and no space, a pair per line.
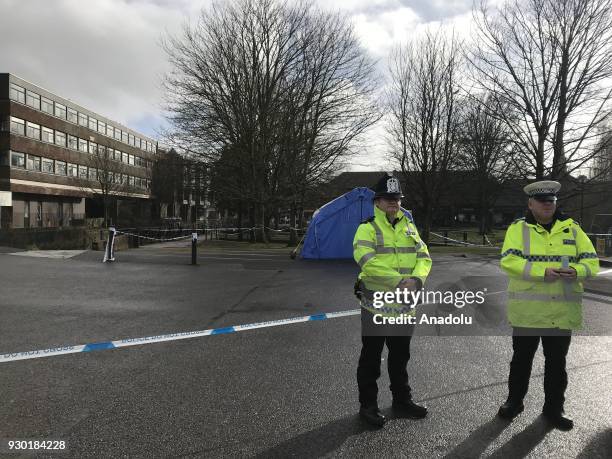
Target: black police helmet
388,187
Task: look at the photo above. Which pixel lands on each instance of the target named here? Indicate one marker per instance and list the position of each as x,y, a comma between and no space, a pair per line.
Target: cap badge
393,185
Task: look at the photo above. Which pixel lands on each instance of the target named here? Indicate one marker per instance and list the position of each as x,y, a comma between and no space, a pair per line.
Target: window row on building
45,134
78,171
46,105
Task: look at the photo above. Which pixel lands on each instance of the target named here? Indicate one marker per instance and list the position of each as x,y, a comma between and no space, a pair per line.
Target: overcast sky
105,54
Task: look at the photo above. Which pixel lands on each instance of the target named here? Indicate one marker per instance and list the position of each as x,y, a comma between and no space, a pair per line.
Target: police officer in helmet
391,256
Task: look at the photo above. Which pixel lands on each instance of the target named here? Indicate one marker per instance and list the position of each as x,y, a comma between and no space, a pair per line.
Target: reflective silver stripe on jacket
526,241
423,255
364,243
364,259
405,270
526,296
395,249
527,270
380,240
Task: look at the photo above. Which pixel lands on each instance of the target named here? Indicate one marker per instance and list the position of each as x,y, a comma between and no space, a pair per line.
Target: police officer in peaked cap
391,255
547,257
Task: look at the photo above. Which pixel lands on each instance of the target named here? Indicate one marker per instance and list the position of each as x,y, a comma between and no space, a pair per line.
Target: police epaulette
371,219
522,219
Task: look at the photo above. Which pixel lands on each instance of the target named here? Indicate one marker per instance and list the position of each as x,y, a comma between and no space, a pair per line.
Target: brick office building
46,148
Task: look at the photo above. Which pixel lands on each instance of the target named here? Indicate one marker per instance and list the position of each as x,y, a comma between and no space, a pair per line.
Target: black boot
510,410
372,415
406,407
557,420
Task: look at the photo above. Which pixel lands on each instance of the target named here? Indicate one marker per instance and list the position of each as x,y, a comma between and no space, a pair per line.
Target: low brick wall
73,238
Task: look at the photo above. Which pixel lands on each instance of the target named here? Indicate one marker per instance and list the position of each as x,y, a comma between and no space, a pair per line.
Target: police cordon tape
109,252
107,345
463,243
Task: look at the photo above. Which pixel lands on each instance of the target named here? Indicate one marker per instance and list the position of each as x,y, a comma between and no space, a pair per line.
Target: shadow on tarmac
598,446
479,440
320,441
521,444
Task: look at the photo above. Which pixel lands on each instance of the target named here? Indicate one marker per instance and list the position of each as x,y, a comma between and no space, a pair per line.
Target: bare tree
423,116
485,149
104,177
280,90
547,60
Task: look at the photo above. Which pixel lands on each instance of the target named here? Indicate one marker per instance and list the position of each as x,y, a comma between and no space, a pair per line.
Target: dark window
47,135
60,111
47,165
93,148
33,130
33,163
73,142
60,139
18,94
60,168
33,99
17,126
72,170
82,119
17,160
46,105
83,172
83,145
72,115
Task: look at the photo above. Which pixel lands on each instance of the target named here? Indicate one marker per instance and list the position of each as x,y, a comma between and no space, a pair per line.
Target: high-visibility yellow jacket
528,250
388,254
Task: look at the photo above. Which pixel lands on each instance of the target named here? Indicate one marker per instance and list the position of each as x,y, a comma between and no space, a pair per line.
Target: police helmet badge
393,185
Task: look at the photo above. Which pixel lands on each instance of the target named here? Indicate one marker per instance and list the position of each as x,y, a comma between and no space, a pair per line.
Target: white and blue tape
106,345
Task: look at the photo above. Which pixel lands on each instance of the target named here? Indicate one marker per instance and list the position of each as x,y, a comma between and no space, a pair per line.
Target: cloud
102,54
105,54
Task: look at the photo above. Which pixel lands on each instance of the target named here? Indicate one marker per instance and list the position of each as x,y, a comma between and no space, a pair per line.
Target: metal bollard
109,254
445,236
194,248
464,236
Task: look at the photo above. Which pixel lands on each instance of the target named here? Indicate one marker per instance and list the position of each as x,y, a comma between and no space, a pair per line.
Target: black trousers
368,370
555,343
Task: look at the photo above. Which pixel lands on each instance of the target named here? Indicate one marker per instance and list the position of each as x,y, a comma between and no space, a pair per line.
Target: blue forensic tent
333,226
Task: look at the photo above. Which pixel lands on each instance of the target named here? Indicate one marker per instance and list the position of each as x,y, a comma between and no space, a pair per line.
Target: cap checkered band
537,191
